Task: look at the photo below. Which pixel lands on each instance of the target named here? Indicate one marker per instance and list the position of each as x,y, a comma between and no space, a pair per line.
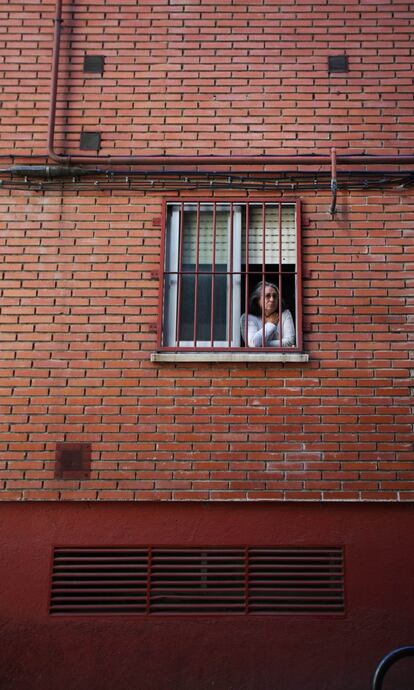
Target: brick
78,300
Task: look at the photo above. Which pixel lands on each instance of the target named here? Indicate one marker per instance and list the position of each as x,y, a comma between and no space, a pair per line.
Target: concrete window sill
197,357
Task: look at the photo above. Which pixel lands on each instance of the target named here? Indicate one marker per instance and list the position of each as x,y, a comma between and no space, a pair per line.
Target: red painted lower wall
40,652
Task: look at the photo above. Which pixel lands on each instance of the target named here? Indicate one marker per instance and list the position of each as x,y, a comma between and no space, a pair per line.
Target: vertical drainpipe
55,76
334,184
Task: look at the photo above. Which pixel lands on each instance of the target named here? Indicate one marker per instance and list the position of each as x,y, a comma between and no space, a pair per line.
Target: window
221,259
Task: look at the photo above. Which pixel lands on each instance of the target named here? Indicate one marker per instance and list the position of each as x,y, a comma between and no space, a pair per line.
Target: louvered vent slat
198,580
296,580
99,581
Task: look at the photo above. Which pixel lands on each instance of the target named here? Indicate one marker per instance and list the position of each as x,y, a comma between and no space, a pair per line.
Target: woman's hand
272,318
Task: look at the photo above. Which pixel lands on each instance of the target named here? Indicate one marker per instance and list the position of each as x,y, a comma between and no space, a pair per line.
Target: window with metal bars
220,261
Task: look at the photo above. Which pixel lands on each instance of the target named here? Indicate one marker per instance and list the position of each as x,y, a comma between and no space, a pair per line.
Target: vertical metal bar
196,274
246,278
280,311
149,576
213,274
246,579
298,296
263,272
230,279
51,569
236,281
161,297
179,274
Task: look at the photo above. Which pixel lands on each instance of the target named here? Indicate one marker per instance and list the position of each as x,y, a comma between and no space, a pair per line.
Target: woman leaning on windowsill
264,313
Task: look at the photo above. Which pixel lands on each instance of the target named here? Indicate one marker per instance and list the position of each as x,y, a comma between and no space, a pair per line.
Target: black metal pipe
388,661
57,171
48,172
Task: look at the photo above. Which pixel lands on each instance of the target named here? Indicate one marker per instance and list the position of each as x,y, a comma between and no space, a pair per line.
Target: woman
264,311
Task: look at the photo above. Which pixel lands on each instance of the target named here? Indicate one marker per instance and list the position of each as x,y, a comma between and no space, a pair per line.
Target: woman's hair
254,307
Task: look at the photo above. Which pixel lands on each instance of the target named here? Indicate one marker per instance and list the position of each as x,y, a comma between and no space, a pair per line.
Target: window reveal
216,254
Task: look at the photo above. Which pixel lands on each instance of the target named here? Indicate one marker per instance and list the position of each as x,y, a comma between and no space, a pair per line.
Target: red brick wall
78,300
212,77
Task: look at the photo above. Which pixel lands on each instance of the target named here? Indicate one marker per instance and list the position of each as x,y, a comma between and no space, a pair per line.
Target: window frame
242,349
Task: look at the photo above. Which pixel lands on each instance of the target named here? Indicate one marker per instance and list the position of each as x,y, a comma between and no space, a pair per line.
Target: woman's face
271,301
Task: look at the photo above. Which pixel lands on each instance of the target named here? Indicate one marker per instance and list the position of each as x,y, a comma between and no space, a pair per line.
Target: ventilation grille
197,580
73,460
99,581
296,580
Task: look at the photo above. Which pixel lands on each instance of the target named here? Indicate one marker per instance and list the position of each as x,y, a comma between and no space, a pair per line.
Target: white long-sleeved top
272,336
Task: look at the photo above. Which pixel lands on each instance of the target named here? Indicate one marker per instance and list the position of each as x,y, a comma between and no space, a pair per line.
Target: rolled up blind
206,235
271,233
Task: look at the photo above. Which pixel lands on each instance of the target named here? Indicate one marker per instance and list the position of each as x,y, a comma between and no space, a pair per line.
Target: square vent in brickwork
93,64
337,63
90,141
198,580
72,460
